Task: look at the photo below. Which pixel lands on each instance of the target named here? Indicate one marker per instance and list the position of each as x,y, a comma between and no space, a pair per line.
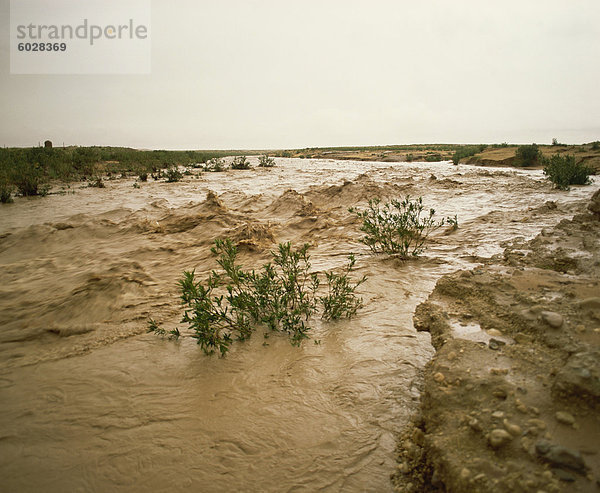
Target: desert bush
527,155
240,162
341,300
28,179
173,174
158,330
433,158
266,161
467,151
409,158
215,165
5,193
564,171
96,183
143,176
281,296
596,145
398,227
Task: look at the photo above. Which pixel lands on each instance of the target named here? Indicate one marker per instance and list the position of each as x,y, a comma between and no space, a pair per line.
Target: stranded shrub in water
240,162
215,165
266,162
173,174
398,227
340,300
282,297
563,171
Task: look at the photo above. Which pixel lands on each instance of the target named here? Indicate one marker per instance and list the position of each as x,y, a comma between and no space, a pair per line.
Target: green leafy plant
240,162
452,222
158,330
5,193
173,174
215,165
281,296
266,161
564,171
527,155
341,300
398,227
467,151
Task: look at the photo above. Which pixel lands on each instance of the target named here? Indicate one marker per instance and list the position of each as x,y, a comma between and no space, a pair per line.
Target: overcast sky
287,73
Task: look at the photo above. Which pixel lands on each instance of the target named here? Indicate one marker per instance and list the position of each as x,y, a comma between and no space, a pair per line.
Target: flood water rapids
91,402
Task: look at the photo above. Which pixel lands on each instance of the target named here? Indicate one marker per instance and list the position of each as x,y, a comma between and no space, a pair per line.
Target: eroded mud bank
511,397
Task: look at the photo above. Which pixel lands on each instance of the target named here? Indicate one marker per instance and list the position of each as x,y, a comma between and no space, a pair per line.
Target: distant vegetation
467,151
27,171
564,171
528,155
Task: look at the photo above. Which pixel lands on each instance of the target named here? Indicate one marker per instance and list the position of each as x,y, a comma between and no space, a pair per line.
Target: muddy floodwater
91,402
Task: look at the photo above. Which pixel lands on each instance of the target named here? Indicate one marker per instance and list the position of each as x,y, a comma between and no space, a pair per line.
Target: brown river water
91,402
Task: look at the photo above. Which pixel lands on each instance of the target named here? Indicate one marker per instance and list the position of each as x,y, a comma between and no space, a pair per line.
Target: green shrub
467,151
5,193
596,145
143,176
528,155
399,227
409,158
340,300
173,174
28,178
240,162
282,297
564,171
215,165
266,162
433,158
155,328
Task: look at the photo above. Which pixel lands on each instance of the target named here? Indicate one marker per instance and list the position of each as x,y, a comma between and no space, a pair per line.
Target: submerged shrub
282,296
97,183
173,174
398,227
5,193
215,165
528,155
240,162
340,300
266,162
564,171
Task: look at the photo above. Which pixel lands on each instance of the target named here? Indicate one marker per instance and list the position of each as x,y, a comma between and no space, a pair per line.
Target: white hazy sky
287,73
